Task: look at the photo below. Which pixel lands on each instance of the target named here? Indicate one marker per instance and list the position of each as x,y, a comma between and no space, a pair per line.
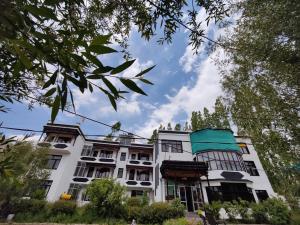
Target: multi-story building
196,167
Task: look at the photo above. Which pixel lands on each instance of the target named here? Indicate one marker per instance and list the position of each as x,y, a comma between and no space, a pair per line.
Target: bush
159,212
29,206
63,207
214,208
259,213
134,202
133,212
107,197
278,211
232,209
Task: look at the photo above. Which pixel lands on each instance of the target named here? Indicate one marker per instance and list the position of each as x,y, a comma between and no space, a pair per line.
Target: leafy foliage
261,81
48,48
107,197
217,119
63,207
21,171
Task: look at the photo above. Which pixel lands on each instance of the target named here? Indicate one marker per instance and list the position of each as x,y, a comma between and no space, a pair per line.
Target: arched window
143,175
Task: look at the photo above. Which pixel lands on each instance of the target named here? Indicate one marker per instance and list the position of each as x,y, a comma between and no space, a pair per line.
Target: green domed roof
213,139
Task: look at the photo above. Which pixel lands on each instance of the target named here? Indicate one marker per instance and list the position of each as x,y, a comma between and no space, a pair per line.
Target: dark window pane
120,172
123,156
262,195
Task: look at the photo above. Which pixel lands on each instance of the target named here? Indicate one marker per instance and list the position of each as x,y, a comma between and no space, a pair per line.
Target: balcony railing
55,147
147,163
139,183
104,160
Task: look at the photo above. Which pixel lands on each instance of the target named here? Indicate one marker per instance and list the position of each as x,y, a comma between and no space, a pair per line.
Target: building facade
196,167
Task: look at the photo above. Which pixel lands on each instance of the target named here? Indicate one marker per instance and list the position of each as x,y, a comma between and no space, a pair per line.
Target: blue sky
183,82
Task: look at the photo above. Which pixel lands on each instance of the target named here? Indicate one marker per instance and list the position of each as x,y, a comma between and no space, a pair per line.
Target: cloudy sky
183,82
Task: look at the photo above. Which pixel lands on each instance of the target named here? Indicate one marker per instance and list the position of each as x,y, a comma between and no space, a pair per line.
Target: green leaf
24,59
41,11
78,59
132,86
64,99
74,81
144,71
101,39
72,100
94,76
50,92
55,108
101,49
103,69
110,86
92,59
122,67
112,101
145,81
91,88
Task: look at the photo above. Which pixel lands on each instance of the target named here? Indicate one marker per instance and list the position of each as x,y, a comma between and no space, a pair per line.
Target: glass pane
182,194
211,155
213,165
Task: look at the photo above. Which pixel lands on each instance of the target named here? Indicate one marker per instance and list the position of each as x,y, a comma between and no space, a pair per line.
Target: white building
197,167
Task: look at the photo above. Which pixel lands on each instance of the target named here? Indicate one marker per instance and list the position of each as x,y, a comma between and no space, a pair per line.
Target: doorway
189,199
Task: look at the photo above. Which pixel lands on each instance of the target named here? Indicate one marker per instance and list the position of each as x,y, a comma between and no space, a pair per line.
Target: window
251,168
46,185
106,154
170,190
262,195
143,175
123,156
135,193
95,153
53,161
133,156
143,156
74,190
131,174
87,150
62,139
243,148
120,172
229,192
102,172
50,138
90,172
171,146
80,169
221,160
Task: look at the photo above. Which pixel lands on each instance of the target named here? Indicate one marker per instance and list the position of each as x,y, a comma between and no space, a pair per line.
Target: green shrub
232,209
278,211
259,213
38,194
29,206
158,212
134,202
214,208
63,207
133,212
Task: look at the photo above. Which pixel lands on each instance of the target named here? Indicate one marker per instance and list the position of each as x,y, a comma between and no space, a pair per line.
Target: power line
139,138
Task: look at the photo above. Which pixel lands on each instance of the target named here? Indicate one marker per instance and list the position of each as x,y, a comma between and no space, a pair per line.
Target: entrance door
189,199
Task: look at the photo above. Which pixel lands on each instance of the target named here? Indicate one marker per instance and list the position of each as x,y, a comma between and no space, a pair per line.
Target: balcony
99,160
139,183
143,163
57,148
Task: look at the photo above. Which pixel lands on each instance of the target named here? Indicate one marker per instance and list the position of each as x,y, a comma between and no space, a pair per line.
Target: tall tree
262,84
153,137
22,170
177,127
169,127
217,119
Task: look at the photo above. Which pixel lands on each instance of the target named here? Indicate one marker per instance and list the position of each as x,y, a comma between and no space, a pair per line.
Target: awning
183,169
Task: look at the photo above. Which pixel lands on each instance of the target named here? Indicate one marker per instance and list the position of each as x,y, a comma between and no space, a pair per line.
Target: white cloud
203,93
189,58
